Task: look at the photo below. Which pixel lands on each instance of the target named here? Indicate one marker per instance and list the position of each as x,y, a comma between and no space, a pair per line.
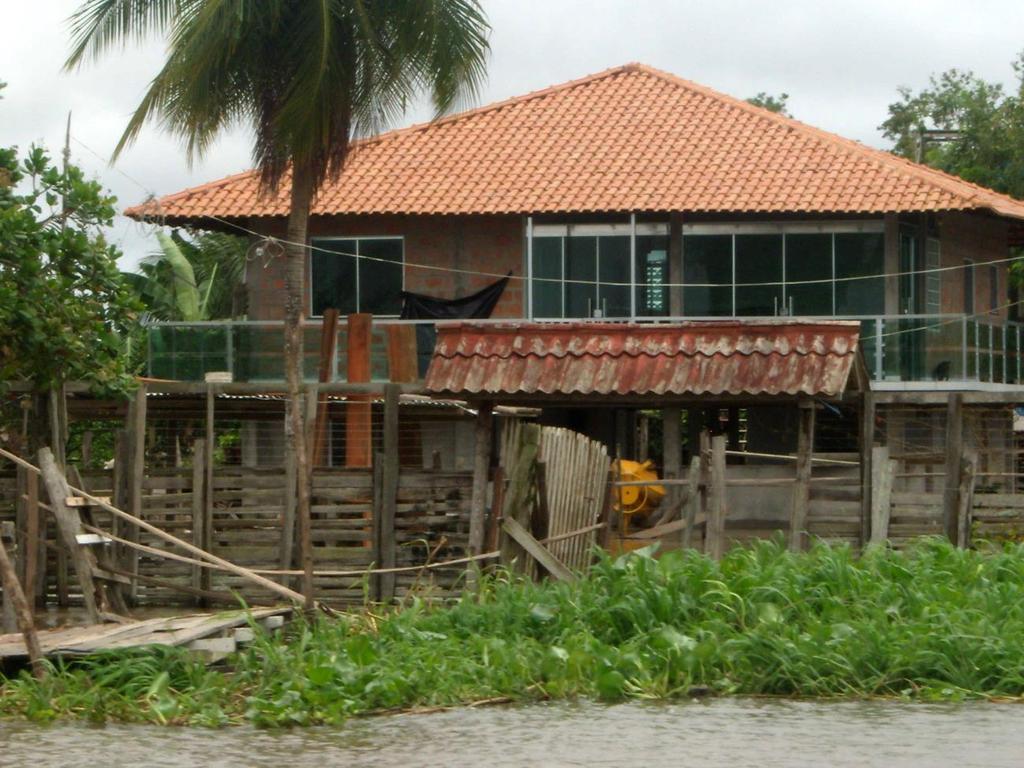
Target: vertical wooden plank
328,349
517,497
305,479
389,489
35,546
672,457
287,557
954,460
883,471
965,499
867,442
376,532
199,510
481,468
693,499
802,486
358,409
716,499
208,486
403,366
136,473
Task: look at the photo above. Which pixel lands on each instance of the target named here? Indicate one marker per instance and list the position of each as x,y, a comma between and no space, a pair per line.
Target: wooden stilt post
692,501
306,478
136,473
481,468
802,486
883,472
287,558
965,498
209,457
389,491
716,499
200,576
358,409
34,544
14,595
954,462
867,442
672,458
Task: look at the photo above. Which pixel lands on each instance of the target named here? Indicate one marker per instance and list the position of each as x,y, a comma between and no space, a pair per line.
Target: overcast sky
840,62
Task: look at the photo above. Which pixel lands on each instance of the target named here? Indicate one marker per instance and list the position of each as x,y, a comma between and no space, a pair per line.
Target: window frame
314,247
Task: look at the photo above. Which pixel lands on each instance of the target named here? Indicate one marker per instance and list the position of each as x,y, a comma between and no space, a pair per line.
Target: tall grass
934,622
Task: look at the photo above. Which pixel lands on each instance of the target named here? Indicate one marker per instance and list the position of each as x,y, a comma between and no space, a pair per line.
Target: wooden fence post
693,500
867,442
136,473
389,490
965,498
716,499
802,486
954,461
883,473
200,576
481,468
518,497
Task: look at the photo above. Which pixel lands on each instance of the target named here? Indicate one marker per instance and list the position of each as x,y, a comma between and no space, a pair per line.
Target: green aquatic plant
932,622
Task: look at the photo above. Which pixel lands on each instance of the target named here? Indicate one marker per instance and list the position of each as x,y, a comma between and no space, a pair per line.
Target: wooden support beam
538,551
867,442
69,525
954,461
328,350
14,596
208,466
883,473
481,468
136,471
200,577
965,498
693,502
716,500
389,491
802,486
359,411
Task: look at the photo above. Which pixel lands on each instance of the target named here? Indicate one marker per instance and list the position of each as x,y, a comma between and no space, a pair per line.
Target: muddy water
731,733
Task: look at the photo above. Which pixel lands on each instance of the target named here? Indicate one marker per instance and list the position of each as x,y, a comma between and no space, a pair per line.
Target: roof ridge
926,174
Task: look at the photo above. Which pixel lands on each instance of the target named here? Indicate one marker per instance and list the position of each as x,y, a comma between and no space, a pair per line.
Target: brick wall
488,244
980,239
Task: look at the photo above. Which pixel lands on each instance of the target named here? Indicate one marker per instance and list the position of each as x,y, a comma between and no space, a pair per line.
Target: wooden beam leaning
15,596
954,461
802,487
538,551
159,533
69,525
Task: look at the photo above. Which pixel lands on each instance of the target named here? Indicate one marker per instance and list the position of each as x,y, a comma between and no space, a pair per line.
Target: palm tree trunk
295,271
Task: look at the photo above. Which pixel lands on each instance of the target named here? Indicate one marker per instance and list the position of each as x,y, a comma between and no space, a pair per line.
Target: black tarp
416,306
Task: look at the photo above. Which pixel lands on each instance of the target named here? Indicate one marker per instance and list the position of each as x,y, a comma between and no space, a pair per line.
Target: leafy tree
303,75
189,280
771,102
987,146
65,311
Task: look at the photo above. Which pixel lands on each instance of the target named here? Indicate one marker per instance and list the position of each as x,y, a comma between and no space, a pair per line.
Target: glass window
707,264
860,254
652,274
580,276
758,260
547,277
345,282
613,276
809,257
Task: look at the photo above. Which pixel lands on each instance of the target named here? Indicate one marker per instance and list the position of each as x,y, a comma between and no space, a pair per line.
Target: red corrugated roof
733,357
631,138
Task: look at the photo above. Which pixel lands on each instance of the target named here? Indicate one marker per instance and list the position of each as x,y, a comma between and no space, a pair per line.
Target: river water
722,732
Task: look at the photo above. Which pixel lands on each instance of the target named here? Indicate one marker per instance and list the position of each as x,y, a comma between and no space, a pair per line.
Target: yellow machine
635,502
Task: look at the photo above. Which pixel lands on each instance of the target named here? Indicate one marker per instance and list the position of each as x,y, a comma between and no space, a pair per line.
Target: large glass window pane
860,254
758,260
333,276
580,276
652,274
547,277
380,276
707,264
809,257
613,275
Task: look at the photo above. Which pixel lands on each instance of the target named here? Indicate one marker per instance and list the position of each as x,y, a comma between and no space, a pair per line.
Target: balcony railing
897,348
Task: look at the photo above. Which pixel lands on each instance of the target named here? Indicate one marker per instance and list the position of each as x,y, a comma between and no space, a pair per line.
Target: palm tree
304,76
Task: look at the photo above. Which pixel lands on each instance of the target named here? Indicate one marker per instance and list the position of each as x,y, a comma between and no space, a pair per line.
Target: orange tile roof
631,138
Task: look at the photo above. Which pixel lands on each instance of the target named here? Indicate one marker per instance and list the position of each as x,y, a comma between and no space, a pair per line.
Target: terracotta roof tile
631,138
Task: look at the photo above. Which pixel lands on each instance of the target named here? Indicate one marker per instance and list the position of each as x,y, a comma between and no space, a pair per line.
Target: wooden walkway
190,630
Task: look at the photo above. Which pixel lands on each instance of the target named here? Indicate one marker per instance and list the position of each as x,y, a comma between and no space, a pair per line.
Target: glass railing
896,348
